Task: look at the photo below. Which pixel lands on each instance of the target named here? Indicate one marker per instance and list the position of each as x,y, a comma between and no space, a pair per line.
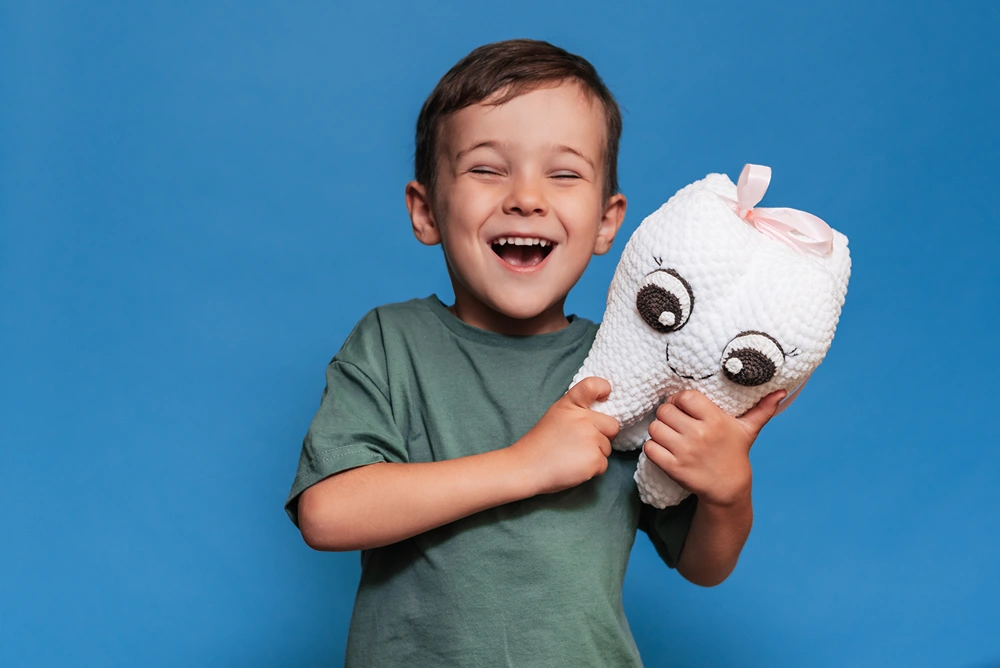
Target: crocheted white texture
728,311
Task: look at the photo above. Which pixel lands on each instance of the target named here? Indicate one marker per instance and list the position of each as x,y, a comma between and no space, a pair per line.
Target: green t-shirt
537,582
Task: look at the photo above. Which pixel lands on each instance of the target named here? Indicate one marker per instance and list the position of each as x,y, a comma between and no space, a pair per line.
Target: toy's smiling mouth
523,252
690,377
667,352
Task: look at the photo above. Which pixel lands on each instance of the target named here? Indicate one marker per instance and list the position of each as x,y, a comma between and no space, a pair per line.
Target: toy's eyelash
794,352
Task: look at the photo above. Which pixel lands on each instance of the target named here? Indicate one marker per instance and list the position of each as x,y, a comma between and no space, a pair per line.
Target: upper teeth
522,241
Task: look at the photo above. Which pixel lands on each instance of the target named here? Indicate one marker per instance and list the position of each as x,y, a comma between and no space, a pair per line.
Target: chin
520,306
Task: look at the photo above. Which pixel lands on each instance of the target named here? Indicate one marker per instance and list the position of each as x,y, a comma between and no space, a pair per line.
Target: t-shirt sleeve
667,528
353,426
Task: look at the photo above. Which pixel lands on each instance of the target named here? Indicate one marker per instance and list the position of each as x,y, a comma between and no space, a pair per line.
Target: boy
495,522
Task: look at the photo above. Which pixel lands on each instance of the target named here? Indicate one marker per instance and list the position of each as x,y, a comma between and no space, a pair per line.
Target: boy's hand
704,449
571,443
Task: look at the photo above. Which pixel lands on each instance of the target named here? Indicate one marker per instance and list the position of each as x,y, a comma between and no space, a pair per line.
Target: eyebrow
483,144
563,148
496,146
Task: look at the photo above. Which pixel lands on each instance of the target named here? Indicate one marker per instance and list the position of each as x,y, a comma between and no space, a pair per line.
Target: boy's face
529,171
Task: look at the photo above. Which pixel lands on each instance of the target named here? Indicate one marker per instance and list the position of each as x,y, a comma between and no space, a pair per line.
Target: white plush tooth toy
714,295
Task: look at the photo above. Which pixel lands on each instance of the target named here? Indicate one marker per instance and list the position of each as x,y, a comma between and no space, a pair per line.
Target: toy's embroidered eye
752,358
665,300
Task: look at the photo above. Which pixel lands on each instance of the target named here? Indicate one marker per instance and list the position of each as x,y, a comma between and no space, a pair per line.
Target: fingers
758,416
585,393
605,446
663,435
589,390
660,456
694,403
677,419
605,424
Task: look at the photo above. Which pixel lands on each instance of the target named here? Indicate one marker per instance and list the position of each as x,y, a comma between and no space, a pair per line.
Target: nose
526,197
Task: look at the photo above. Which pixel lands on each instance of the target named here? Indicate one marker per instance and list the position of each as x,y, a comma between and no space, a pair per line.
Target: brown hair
515,67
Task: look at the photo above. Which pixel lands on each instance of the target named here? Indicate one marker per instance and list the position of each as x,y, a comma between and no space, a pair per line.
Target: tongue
521,256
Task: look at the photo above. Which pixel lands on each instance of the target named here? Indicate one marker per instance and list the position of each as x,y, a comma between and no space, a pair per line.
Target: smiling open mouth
522,251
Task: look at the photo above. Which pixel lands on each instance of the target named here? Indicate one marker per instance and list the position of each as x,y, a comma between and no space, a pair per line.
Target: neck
473,312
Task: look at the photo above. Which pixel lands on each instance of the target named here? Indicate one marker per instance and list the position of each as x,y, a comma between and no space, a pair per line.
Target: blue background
199,200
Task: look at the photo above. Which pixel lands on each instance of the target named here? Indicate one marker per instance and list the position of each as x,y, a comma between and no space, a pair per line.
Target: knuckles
595,385
685,397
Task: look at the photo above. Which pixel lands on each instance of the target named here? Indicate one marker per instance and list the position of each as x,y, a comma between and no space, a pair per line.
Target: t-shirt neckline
571,333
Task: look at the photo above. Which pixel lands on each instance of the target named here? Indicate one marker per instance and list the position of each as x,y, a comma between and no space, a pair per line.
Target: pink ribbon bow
799,230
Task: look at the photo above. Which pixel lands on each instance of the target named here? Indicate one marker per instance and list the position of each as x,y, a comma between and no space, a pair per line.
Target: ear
418,203
611,221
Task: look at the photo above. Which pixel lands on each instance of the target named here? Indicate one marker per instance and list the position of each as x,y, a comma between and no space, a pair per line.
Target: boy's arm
708,453
382,503
714,541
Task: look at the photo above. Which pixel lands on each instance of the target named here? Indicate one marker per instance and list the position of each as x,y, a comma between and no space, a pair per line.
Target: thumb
589,390
758,416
